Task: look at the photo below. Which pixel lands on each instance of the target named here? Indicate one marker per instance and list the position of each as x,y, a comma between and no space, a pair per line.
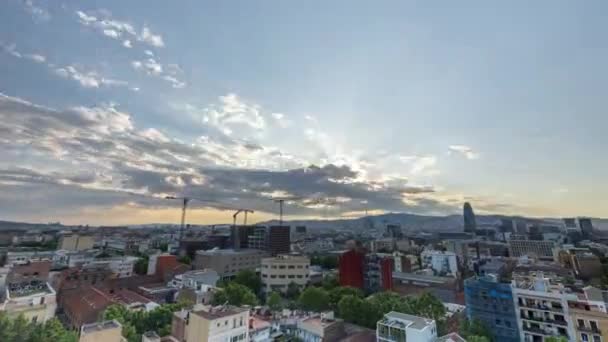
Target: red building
351,267
386,274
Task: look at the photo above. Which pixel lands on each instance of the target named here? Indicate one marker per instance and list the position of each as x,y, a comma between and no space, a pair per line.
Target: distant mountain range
409,222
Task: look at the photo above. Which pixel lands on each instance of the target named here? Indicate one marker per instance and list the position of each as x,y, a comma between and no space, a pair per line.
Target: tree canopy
250,279
135,323
314,299
274,301
20,330
235,294
475,327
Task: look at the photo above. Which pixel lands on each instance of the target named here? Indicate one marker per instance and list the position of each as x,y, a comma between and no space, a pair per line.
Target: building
582,261
397,327
239,235
13,258
542,308
394,231
278,240
106,331
385,245
447,289
257,239
35,300
150,336
228,262
377,273
320,328
121,267
543,250
491,301
470,224
350,268
280,271
217,324
76,242
586,226
195,279
589,315
443,264
259,329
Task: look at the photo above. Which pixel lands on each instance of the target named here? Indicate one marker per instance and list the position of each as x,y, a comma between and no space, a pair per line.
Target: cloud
281,120
36,58
11,49
150,38
421,164
463,150
119,30
98,157
153,68
37,12
88,79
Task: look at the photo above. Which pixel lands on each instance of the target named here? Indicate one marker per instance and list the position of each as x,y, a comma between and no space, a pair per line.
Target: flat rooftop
411,321
420,278
229,251
216,313
28,289
100,326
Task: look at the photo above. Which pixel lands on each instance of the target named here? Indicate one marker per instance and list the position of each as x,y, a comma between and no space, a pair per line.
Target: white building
37,302
107,331
195,279
542,308
17,258
442,263
122,267
280,271
320,328
397,327
218,324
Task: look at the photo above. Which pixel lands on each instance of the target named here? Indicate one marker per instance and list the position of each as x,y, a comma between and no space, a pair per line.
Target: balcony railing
594,330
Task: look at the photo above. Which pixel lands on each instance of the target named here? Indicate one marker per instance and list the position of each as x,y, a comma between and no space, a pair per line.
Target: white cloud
117,29
36,11
463,150
149,53
175,83
281,120
11,49
88,79
421,165
36,58
150,38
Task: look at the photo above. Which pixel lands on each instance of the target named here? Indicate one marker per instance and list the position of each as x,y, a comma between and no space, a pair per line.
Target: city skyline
106,109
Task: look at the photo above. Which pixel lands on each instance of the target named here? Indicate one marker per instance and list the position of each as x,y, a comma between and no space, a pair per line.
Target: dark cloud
102,159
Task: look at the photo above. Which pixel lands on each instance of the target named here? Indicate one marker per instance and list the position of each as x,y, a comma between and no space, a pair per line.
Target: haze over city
108,107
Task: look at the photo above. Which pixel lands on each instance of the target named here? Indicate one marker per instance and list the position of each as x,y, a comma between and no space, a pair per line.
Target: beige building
589,316
279,272
76,242
228,262
37,302
108,331
217,325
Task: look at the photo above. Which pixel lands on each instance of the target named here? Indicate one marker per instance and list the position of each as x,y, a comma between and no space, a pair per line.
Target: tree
337,293
476,338
274,302
20,330
359,311
314,299
235,294
330,282
293,291
249,279
474,327
185,260
135,323
556,339
141,266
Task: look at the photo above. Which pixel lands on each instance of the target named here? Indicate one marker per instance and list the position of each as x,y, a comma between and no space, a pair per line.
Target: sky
345,107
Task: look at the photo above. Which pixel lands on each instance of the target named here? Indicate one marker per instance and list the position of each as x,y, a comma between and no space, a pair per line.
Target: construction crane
238,211
237,238
185,201
281,201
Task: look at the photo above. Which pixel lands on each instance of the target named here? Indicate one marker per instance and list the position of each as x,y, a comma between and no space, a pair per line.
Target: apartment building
35,300
542,308
589,315
107,331
217,325
320,328
76,242
491,302
543,250
228,262
279,272
397,327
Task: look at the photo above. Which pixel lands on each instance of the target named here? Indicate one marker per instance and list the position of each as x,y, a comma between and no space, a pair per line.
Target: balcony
541,307
592,330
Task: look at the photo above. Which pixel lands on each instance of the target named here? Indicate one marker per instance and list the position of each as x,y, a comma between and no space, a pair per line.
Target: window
581,323
597,338
291,276
498,322
593,325
291,267
281,277
584,337
299,276
508,324
272,276
282,267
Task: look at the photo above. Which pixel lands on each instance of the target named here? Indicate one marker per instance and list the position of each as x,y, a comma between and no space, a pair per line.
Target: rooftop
25,289
219,312
94,327
421,277
451,337
217,251
410,321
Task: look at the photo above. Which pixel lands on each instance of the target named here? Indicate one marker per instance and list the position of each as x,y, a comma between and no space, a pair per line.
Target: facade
442,263
228,262
107,331
385,245
13,258
377,273
122,267
35,300
257,238
543,250
218,325
470,224
239,235
350,268
76,242
590,322
398,327
542,309
195,279
278,272
490,301
322,328
278,240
